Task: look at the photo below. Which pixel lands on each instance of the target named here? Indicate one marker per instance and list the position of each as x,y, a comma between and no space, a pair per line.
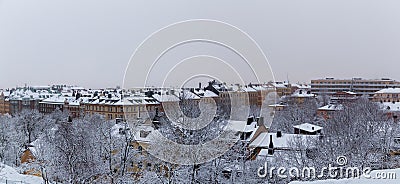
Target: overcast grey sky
89,43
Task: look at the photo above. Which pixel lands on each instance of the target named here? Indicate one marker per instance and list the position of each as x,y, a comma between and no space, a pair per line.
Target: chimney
249,120
312,128
199,85
270,146
279,133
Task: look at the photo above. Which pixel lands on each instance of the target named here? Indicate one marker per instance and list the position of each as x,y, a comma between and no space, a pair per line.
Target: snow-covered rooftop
308,127
331,107
241,126
283,142
11,175
301,93
389,90
390,106
166,98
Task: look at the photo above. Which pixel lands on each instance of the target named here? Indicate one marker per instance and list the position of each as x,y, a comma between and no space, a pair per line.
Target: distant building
391,109
387,95
300,96
74,106
327,110
343,97
307,129
360,86
282,88
252,95
4,103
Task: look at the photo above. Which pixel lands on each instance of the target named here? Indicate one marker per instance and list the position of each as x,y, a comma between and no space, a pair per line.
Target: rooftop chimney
270,146
250,120
279,133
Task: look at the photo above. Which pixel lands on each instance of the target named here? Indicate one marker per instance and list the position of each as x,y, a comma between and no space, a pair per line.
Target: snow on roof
390,106
142,100
263,152
188,95
279,85
308,127
241,126
331,107
11,175
142,133
389,90
249,89
301,93
350,92
166,98
5,93
283,142
209,93
57,99
259,88
125,102
277,105
302,86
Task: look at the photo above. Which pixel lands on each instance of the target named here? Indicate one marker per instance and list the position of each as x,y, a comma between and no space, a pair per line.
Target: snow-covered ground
10,175
395,174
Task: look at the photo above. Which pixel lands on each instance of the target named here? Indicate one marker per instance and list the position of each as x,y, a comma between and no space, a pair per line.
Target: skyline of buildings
291,80
115,103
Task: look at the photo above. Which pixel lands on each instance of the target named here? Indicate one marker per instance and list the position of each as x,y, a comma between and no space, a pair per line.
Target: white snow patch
10,175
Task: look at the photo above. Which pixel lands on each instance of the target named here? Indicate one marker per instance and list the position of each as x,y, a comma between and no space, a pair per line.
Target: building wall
119,111
386,97
17,105
4,105
330,86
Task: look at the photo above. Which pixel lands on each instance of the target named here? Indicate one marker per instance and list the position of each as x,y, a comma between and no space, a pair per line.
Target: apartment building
4,103
387,95
75,106
130,107
360,86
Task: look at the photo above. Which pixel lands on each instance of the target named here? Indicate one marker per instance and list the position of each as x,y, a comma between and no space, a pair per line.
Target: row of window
350,82
119,109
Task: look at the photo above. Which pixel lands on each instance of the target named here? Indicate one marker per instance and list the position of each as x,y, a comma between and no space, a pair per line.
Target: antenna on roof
287,78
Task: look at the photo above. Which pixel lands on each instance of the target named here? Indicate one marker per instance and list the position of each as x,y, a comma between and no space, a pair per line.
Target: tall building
359,86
